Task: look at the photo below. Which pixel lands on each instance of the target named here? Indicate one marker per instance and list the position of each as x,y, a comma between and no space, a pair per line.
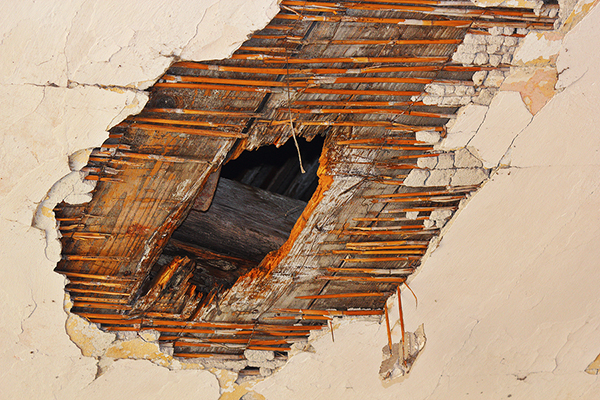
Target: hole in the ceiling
277,169
257,200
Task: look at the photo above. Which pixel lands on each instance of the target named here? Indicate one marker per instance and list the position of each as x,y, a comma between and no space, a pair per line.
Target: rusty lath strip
292,72
328,71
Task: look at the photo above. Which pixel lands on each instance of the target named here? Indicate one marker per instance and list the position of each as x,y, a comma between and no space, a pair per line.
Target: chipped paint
536,86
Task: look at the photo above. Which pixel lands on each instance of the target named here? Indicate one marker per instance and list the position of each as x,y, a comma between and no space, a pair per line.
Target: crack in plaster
446,365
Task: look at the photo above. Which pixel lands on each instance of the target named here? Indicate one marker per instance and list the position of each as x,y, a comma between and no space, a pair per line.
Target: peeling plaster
507,295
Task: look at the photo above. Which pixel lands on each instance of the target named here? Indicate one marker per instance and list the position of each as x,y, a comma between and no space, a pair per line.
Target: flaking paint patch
535,85
88,337
538,48
594,367
138,349
581,10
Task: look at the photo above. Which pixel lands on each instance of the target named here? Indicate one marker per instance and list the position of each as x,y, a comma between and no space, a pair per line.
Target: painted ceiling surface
218,266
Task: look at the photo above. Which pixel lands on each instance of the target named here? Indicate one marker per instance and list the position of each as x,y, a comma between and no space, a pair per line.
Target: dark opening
277,169
257,200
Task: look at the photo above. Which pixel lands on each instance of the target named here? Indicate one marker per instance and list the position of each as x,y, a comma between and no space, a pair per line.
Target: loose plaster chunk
436,89
88,337
506,58
259,355
416,178
494,78
427,162
412,215
481,58
401,360
511,41
445,161
440,217
463,158
485,96
493,48
73,189
479,77
463,58
469,176
428,136
495,60
464,90
431,100
439,177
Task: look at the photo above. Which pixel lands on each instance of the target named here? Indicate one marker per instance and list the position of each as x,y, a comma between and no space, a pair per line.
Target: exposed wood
242,221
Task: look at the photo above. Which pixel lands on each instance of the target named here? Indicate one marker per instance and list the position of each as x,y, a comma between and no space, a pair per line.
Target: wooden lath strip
417,209
97,291
364,249
325,103
100,305
98,299
378,141
388,219
326,71
374,20
110,317
328,312
298,82
361,42
383,124
210,355
379,252
158,157
79,235
208,342
420,199
185,122
268,348
518,22
230,326
390,233
456,10
241,114
105,283
301,317
343,295
363,278
93,276
417,194
177,129
367,111
78,257
384,228
272,90
334,60
374,271
416,243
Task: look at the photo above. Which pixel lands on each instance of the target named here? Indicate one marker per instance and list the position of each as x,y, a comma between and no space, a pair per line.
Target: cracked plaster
507,297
